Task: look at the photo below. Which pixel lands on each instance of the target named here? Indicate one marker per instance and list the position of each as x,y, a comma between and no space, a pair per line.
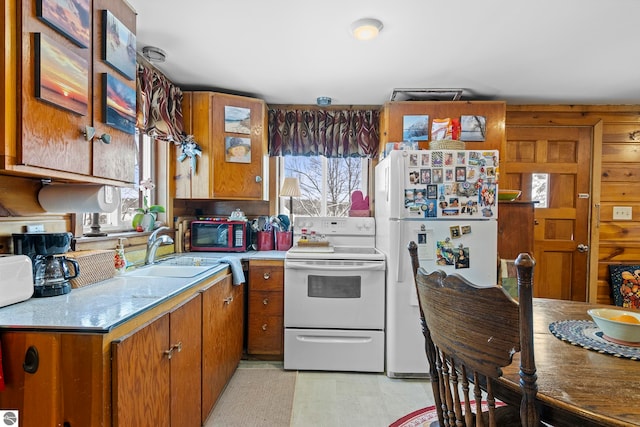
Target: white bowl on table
622,326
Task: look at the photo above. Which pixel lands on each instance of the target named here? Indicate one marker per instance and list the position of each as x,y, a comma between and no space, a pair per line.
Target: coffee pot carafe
52,275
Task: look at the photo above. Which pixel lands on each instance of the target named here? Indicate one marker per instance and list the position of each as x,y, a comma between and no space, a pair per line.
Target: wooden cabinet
266,308
212,119
164,367
156,371
515,228
43,136
222,329
494,112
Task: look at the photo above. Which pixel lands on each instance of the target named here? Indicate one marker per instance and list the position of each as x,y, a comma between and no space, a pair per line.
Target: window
326,184
130,198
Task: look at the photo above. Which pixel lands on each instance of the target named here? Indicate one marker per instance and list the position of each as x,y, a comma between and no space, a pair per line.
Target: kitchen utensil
52,275
284,220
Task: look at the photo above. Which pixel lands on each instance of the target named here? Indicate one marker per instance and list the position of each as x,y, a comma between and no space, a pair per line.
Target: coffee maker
51,269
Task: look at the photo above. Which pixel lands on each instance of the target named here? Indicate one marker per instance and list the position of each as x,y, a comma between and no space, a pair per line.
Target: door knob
583,248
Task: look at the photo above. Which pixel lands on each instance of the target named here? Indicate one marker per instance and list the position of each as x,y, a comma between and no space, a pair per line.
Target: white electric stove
334,298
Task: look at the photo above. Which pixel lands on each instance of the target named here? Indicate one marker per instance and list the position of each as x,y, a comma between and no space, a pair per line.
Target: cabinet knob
264,327
265,301
267,276
258,179
228,300
175,347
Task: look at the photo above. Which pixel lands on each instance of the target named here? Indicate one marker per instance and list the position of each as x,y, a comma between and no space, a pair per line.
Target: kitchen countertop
101,306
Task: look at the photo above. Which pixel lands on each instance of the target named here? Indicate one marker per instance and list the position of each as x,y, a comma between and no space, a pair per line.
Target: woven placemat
585,333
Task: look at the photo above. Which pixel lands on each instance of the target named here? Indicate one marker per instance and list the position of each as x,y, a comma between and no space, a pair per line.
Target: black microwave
219,235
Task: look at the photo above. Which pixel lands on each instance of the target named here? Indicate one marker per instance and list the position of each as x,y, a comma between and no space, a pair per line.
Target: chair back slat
471,332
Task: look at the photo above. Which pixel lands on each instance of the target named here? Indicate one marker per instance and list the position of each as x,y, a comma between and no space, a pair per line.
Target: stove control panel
346,226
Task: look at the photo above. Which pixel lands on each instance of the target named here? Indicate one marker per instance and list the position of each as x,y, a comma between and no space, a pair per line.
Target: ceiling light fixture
366,28
323,101
154,54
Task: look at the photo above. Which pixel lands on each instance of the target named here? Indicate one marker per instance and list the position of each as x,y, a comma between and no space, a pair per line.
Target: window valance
327,132
159,105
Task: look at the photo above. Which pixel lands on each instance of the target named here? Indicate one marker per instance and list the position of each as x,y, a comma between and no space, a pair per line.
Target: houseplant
146,216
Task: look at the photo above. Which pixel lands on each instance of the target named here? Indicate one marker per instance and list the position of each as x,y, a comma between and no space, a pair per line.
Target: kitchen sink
164,270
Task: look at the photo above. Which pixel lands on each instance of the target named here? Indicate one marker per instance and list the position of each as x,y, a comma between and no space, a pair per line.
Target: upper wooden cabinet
53,88
494,112
217,121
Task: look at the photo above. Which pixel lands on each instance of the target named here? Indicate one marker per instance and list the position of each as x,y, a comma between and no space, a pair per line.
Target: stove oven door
341,294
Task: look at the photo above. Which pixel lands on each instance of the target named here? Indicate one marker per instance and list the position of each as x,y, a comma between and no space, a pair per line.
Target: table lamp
290,188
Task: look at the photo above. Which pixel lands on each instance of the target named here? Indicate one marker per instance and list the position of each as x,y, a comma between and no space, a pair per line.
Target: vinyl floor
336,399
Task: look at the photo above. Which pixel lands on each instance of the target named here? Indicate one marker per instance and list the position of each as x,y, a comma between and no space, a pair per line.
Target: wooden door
185,340
140,377
561,156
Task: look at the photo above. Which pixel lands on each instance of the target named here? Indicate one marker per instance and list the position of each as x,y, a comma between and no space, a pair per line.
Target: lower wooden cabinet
165,367
265,332
222,329
156,371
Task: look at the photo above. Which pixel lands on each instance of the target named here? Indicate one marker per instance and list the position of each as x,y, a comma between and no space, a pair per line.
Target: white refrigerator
447,202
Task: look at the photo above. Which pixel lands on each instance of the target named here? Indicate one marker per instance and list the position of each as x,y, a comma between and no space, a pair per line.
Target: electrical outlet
623,213
35,228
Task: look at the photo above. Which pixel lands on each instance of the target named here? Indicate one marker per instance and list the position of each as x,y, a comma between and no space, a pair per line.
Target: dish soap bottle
119,261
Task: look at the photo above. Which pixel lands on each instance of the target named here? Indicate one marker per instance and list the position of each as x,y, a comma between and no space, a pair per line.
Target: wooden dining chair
470,333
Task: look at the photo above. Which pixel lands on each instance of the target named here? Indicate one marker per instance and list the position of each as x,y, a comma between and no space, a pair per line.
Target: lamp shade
290,187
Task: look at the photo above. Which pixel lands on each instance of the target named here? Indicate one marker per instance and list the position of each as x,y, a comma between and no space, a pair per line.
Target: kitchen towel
236,269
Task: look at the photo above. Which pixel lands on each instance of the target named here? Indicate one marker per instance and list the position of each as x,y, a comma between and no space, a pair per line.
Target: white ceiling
293,51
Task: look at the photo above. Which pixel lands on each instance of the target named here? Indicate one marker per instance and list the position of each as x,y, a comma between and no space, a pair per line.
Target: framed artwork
119,104
473,128
72,19
237,120
415,128
237,150
119,45
61,76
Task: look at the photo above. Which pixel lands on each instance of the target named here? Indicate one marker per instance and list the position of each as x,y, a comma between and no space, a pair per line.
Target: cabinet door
213,122
222,329
140,377
115,160
186,343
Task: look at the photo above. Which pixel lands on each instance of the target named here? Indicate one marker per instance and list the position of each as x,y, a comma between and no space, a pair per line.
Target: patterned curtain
159,104
327,132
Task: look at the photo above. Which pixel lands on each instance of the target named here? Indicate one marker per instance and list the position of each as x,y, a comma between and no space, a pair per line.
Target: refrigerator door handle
401,252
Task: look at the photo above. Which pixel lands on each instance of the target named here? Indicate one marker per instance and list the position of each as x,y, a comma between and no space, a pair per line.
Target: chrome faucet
154,242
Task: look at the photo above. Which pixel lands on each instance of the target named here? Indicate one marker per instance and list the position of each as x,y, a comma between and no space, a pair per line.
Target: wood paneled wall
617,165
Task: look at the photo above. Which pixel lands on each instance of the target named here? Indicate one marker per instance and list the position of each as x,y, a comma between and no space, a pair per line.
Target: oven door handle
375,265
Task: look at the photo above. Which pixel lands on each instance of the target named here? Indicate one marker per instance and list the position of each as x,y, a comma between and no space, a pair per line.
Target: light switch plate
623,213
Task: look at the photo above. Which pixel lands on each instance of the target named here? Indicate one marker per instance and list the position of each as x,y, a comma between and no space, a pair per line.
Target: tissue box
94,266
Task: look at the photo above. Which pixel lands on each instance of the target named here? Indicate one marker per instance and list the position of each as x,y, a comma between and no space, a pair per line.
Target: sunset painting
62,77
72,18
120,104
119,46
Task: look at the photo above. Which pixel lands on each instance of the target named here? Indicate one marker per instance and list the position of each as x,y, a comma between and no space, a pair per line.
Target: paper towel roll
79,198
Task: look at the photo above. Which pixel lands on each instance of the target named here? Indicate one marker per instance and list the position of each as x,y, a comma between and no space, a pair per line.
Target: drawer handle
175,347
267,276
264,327
265,301
228,300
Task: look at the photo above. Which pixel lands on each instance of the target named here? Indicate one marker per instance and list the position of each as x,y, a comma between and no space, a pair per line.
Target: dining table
579,384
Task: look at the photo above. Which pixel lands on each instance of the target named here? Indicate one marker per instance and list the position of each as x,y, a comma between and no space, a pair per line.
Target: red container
265,240
284,240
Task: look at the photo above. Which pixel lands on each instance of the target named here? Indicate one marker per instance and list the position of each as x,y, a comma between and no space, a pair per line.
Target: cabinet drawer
266,303
265,335
266,277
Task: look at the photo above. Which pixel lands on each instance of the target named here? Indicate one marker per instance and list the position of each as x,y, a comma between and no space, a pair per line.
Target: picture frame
71,19
118,45
237,150
61,76
473,128
415,128
237,120
119,104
